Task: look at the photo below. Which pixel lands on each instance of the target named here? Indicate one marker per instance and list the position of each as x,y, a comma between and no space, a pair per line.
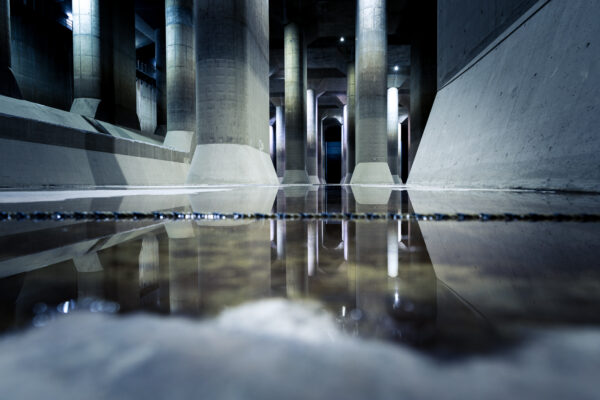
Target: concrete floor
299,309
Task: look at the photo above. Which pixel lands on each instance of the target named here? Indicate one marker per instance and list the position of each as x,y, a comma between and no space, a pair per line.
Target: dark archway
333,150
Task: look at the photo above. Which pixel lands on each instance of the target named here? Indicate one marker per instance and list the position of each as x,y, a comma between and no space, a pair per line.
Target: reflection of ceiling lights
342,39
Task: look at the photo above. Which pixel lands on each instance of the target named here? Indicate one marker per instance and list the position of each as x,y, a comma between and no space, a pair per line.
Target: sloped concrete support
295,105
218,164
232,86
180,70
522,124
371,94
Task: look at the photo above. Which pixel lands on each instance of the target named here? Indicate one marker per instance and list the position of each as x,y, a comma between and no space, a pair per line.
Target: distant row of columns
220,52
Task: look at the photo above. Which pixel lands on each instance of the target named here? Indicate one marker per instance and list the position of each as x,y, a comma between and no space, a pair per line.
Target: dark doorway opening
333,153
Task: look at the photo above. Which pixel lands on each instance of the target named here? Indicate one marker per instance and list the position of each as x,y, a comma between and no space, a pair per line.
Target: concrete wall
525,115
146,106
40,146
465,27
42,54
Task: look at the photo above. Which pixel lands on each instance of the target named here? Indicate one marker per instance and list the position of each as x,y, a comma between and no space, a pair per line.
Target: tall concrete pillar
295,105
118,58
321,144
232,86
350,122
344,144
87,61
312,145
371,94
280,140
392,130
404,150
160,56
5,59
8,83
181,89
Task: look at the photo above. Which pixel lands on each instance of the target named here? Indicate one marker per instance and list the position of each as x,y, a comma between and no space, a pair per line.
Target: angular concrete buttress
371,94
232,86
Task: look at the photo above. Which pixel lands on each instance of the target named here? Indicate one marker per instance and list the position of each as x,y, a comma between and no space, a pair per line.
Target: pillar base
226,164
347,179
295,176
313,179
88,107
397,180
8,84
179,140
372,173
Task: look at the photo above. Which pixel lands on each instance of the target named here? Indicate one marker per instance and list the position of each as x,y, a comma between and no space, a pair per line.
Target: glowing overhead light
396,68
342,39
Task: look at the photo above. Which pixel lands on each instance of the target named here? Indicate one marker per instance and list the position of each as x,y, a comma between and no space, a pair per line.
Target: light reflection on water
450,286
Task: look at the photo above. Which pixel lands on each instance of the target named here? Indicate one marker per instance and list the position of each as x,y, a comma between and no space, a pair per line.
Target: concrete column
404,140
181,89
160,56
8,83
321,148
232,86
371,94
118,59
295,105
280,140
392,130
5,59
344,144
350,122
312,150
87,61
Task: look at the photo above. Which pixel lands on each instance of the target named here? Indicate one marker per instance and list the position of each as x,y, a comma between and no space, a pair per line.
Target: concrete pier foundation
295,105
180,83
392,129
371,94
232,86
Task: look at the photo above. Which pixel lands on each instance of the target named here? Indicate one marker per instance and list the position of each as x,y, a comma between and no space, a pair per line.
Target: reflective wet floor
443,291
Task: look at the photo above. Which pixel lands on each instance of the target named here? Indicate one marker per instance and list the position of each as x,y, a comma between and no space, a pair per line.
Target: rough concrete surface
525,115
